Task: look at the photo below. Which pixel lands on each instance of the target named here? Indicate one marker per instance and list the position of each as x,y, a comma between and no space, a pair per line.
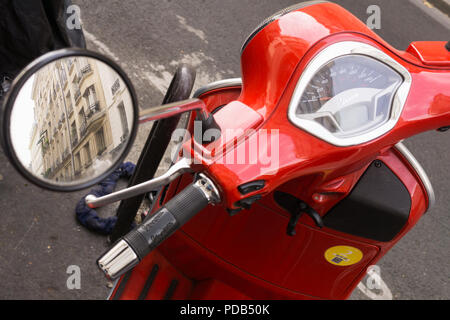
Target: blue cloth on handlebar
88,217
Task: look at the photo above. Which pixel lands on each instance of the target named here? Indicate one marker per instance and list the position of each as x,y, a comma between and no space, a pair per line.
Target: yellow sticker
343,255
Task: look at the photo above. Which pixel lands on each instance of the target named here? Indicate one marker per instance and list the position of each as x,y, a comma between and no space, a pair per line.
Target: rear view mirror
69,119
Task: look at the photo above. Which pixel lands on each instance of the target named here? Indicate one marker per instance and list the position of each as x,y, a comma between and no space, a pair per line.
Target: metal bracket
296,208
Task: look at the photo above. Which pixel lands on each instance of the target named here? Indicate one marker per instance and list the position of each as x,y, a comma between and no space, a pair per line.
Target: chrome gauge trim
234,82
420,172
324,57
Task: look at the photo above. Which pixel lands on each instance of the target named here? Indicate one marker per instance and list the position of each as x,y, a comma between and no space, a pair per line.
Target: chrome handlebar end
118,260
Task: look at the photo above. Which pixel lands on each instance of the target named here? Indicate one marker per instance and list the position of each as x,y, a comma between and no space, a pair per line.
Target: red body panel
249,255
427,108
431,53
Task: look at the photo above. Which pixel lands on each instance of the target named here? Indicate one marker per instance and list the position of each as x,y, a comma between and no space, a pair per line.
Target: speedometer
349,98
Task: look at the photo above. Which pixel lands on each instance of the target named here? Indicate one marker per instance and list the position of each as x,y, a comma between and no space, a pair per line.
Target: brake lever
179,168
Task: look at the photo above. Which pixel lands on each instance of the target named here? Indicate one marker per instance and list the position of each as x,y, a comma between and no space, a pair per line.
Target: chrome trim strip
420,172
208,188
111,291
325,56
234,82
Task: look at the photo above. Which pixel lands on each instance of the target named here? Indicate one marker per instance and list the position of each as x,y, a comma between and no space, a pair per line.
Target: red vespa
291,182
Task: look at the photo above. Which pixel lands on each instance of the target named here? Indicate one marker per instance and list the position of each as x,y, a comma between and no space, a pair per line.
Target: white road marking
197,32
381,290
160,82
193,59
100,45
156,74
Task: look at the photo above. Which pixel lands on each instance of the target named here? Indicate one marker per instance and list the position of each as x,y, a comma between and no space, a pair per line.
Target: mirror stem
172,109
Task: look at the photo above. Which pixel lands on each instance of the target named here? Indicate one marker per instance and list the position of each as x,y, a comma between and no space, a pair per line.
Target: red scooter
288,184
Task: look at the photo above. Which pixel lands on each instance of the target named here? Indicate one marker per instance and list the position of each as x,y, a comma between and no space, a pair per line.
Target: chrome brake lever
179,168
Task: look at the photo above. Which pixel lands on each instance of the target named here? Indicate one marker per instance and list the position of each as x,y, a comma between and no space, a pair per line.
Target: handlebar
133,247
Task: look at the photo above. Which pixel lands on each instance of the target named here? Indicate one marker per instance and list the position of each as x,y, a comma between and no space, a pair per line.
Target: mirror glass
71,121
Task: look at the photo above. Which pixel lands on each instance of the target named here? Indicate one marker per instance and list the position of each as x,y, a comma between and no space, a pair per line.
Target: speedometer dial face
349,94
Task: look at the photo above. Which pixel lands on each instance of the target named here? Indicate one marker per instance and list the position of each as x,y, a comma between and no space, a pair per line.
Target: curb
441,5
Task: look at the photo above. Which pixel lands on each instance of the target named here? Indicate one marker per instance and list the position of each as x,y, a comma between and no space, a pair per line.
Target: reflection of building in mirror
83,117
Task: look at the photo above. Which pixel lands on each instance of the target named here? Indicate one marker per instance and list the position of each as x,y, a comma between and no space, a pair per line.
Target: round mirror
69,119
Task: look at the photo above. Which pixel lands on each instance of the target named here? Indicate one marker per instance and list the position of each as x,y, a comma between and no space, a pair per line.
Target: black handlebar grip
163,223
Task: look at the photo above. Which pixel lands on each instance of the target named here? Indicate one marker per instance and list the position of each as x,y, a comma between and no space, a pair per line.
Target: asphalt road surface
39,236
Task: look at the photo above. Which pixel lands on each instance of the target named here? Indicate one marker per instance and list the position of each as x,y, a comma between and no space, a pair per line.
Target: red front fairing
249,255
271,66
